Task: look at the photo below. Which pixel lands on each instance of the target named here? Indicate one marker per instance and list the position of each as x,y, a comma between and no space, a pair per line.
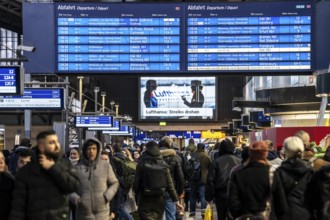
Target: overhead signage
98,121
10,80
125,130
33,98
116,126
213,134
139,38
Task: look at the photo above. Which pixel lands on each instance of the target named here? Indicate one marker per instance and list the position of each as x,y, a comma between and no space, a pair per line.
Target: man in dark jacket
151,207
42,184
218,176
198,186
174,163
249,186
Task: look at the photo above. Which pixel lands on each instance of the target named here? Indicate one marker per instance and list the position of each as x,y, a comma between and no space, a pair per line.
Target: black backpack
193,169
154,178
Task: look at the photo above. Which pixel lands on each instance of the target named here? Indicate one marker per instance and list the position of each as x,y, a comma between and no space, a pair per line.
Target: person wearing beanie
290,183
249,186
218,177
199,185
152,207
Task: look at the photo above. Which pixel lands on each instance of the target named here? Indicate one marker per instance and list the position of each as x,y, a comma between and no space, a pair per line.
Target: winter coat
98,185
205,162
318,192
151,208
218,175
289,189
174,163
39,194
6,190
248,189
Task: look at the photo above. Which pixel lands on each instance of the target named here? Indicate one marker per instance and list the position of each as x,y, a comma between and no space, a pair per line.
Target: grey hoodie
98,185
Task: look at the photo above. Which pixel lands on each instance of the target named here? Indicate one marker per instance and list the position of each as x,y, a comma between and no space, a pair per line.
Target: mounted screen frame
173,99
11,80
247,9
50,99
95,121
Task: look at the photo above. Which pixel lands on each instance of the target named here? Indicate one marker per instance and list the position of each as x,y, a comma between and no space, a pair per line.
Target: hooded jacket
289,189
174,163
152,207
98,186
205,162
39,194
218,175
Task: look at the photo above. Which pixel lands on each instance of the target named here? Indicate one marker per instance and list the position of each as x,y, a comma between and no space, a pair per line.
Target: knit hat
226,147
258,151
293,146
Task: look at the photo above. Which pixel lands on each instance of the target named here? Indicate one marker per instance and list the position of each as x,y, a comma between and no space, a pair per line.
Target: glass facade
8,46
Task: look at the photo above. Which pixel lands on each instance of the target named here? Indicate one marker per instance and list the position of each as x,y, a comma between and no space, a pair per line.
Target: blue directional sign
125,130
84,121
116,126
10,81
46,98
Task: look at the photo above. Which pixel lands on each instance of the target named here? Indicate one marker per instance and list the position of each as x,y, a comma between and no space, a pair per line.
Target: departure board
117,37
158,38
116,126
93,121
249,37
33,98
9,80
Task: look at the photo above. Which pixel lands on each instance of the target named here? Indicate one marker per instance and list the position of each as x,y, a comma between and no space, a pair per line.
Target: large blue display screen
117,37
253,36
256,37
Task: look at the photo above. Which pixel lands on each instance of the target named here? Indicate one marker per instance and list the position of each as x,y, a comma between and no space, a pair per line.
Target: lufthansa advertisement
178,98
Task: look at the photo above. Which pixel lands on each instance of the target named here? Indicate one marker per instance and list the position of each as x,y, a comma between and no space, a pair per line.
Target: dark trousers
221,202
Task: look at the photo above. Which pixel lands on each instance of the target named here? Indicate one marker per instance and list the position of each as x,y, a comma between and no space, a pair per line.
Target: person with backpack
152,180
218,177
197,170
174,163
290,183
125,169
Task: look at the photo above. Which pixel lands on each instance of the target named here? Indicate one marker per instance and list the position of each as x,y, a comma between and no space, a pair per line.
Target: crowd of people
157,180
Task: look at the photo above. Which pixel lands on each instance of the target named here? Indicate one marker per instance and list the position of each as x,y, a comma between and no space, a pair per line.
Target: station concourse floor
198,215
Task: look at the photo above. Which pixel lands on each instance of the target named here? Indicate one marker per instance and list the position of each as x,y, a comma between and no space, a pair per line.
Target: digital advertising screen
178,98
